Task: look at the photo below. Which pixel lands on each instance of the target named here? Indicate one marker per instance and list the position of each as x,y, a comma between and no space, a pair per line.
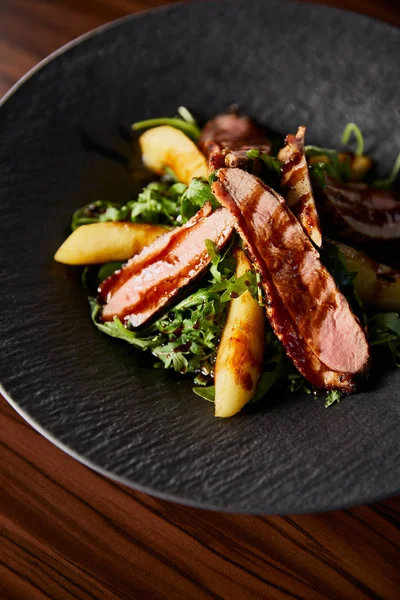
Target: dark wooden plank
68,532
32,29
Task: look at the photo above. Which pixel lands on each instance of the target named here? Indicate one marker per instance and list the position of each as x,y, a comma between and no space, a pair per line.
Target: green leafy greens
332,162
329,163
384,329
159,202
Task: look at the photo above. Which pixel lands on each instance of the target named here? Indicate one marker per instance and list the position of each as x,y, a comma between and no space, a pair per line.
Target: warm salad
245,260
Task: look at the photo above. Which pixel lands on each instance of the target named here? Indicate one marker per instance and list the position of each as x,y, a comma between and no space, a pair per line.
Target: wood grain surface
67,533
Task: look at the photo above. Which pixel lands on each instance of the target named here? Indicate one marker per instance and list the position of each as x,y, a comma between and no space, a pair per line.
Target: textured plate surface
284,63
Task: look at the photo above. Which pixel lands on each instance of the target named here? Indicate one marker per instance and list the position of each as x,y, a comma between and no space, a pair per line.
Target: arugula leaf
384,331
236,286
297,383
335,263
268,168
108,269
97,212
196,194
233,287
330,164
333,396
190,129
159,202
222,265
213,177
208,393
271,162
213,252
115,328
333,163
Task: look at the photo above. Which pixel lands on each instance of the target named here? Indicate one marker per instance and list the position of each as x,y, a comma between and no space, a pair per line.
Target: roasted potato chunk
377,285
360,165
240,353
106,242
166,146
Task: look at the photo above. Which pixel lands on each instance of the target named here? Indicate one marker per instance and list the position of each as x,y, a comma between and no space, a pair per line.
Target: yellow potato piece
360,167
106,242
240,353
359,164
166,146
377,285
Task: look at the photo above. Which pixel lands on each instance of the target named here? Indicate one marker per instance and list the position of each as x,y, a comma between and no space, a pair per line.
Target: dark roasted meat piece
148,281
309,315
295,180
358,213
226,138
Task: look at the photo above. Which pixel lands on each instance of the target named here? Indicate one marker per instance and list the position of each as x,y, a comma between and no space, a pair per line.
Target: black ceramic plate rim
307,509
172,497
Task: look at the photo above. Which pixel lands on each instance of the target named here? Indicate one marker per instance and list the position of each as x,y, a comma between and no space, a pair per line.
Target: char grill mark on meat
148,281
226,138
307,312
358,212
296,181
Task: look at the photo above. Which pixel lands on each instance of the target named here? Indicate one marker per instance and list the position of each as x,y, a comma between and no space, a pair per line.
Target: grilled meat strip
359,213
226,138
149,280
296,181
307,312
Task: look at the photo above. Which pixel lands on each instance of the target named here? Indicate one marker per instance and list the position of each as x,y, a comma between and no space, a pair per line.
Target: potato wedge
377,285
105,242
360,165
240,354
166,146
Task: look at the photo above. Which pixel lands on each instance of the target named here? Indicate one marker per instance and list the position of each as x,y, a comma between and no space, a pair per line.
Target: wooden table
67,532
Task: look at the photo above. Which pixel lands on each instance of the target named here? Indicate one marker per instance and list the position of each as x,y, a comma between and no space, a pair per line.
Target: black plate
286,64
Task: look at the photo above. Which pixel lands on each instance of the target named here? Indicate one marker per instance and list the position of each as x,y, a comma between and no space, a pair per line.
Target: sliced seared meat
296,181
307,312
149,280
226,139
356,212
